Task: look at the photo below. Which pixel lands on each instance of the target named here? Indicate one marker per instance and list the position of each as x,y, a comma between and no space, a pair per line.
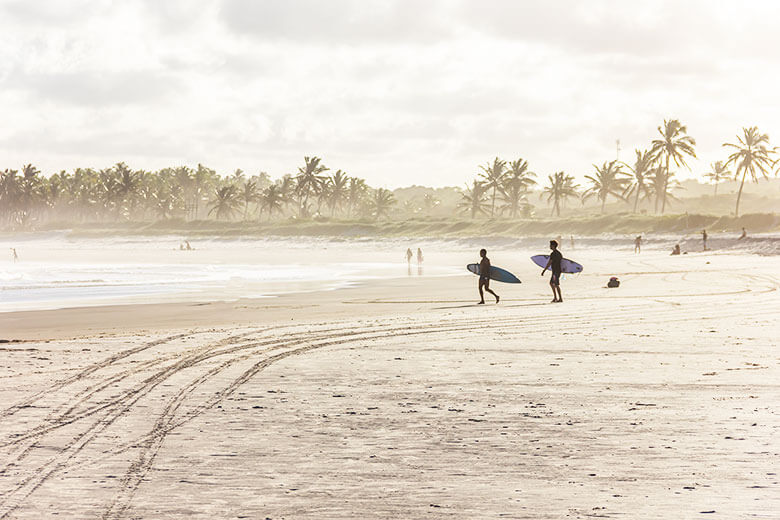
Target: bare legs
486,285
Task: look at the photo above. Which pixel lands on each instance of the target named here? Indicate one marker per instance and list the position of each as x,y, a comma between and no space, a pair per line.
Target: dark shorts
555,279
484,280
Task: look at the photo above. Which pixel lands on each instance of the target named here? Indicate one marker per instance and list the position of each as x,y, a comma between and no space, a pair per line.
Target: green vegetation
436,227
503,191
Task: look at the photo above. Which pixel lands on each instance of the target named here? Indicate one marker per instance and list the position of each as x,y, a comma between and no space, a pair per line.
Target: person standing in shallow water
409,256
704,238
554,265
484,277
14,255
638,244
419,257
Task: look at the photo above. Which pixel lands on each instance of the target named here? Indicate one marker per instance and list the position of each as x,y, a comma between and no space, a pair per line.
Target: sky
397,92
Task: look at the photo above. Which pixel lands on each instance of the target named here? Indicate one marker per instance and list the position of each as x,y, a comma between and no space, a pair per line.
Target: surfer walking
409,256
554,265
484,277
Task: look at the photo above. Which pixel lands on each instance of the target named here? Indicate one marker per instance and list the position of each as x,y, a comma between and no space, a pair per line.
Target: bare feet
555,300
481,303
497,298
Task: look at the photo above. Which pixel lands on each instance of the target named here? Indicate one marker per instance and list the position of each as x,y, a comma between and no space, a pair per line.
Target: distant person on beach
419,256
676,250
743,235
704,238
484,276
14,256
409,256
189,247
572,241
638,244
554,265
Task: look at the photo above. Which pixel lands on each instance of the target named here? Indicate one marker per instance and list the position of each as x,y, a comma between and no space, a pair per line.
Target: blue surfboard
567,266
496,273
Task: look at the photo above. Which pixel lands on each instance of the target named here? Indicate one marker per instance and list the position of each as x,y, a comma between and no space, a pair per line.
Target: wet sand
406,400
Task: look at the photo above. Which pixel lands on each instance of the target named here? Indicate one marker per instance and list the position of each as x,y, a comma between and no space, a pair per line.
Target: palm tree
657,182
609,179
273,199
162,202
337,190
752,155
287,191
642,167
559,188
9,194
517,181
473,199
381,203
225,202
674,145
356,193
183,178
494,177
249,194
201,179
718,172
309,180
430,202
126,186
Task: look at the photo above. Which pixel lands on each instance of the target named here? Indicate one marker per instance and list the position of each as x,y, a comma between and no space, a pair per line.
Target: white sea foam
55,271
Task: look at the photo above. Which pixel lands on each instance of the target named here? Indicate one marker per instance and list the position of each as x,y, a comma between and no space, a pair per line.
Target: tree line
649,177
121,193
502,187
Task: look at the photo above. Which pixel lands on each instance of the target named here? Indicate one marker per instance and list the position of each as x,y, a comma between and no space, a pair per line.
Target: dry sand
405,400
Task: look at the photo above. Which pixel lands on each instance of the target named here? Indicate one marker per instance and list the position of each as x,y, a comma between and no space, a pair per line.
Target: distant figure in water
743,235
704,238
484,277
638,244
189,247
554,265
419,256
572,241
181,247
676,250
14,255
409,256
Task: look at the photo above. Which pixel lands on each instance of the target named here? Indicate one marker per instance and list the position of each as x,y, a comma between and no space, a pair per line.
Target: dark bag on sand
613,282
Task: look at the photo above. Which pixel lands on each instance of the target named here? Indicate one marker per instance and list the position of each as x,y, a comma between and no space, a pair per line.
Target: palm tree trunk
636,201
493,207
739,194
666,184
603,203
716,188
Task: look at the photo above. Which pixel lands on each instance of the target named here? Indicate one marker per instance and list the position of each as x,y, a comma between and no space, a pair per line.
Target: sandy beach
401,398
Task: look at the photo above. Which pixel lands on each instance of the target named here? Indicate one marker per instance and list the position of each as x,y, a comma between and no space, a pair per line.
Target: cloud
396,91
93,90
354,22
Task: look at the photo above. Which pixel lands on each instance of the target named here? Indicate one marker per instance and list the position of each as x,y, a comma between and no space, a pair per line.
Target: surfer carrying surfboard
554,265
484,277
